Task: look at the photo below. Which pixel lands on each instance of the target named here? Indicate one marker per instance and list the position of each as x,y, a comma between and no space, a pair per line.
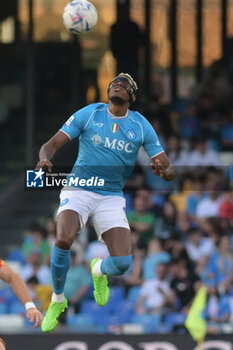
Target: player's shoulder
93,107
139,118
98,105
90,109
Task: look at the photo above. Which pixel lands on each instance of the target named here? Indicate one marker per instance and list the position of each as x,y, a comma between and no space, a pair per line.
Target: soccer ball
79,16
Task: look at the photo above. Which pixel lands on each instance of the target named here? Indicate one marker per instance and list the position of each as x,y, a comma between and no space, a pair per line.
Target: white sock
96,268
58,298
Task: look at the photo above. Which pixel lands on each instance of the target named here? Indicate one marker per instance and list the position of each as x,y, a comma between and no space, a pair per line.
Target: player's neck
118,110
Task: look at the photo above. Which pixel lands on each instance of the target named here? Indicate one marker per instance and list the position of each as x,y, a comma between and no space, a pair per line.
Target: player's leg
111,225
68,225
118,241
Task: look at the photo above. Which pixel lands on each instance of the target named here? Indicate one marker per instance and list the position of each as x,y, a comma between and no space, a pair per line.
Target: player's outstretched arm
48,150
2,344
20,289
162,167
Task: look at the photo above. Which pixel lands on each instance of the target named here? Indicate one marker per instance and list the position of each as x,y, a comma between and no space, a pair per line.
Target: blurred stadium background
181,54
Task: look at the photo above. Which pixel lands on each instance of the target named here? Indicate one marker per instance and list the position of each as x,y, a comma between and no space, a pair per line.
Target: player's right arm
72,128
48,150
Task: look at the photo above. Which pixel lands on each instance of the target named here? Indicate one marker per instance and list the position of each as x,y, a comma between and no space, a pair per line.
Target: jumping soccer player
110,137
20,289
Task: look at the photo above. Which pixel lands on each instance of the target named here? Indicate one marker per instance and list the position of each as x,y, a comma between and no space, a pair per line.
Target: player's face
120,88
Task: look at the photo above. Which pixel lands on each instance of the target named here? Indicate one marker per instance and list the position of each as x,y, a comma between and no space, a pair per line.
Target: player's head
122,89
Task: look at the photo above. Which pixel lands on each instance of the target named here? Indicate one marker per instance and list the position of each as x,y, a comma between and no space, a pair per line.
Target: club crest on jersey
114,127
131,134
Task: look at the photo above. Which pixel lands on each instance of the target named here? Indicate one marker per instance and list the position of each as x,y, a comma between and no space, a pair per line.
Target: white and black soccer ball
79,16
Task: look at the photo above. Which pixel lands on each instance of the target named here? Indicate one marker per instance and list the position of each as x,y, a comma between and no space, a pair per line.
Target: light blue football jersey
108,147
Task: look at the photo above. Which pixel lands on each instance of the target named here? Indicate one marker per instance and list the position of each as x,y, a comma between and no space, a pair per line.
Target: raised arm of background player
20,289
160,164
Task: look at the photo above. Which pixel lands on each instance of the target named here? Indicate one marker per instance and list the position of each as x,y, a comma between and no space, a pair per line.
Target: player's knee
64,243
121,263
65,239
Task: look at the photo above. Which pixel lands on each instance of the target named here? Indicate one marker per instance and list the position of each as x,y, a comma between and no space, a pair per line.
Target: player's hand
158,169
36,316
44,165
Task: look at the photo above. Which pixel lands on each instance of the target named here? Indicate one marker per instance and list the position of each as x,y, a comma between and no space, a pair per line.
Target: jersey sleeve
151,142
77,122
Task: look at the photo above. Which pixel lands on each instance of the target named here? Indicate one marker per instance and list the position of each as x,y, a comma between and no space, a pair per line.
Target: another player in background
2,344
20,289
110,137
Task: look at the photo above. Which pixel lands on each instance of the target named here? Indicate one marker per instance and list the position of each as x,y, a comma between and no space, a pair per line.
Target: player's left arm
21,291
162,167
160,164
